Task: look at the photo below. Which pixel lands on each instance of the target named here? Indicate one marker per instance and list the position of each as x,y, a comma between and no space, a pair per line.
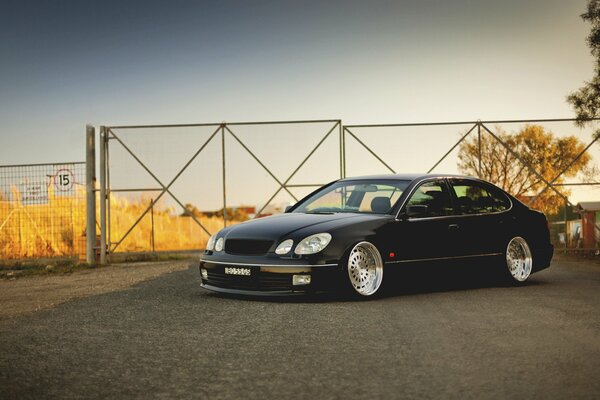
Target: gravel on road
38,292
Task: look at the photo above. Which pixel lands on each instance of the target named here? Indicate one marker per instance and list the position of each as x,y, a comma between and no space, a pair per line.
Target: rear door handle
453,227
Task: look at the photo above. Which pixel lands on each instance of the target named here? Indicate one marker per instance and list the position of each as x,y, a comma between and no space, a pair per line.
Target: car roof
404,177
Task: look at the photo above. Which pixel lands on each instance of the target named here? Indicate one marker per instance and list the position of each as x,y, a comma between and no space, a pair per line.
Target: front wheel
518,259
365,269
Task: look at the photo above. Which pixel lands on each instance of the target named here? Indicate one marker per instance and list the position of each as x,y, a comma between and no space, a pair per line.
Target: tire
518,259
364,267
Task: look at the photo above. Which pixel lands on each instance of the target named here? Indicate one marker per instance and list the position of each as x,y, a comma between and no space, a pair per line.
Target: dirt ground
34,293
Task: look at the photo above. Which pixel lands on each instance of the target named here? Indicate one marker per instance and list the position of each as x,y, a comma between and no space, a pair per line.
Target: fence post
479,147
90,188
152,223
224,176
102,195
341,139
565,216
344,151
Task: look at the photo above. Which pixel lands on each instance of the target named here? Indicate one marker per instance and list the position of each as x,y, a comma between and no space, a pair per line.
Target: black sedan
350,232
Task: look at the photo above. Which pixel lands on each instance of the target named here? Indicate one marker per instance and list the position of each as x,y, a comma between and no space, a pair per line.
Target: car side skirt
444,258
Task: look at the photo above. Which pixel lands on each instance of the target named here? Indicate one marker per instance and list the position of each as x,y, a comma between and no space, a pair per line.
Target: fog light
204,273
301,280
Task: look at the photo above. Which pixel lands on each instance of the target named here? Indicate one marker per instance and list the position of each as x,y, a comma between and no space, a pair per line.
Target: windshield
360,196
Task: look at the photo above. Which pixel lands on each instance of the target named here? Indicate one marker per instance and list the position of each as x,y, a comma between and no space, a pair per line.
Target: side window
477,198
391,193
499,200
435,196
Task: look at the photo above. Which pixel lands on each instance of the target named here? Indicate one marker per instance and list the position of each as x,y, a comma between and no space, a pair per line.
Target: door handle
453,227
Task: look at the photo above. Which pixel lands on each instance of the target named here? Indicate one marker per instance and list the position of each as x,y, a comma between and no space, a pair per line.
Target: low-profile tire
518,259
364,268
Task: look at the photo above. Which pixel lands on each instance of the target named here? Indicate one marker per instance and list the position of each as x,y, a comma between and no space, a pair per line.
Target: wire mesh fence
42,210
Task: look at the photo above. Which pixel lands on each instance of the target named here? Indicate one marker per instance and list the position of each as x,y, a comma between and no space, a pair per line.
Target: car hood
285,225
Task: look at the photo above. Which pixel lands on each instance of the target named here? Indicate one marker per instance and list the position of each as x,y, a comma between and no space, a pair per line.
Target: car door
483,221
431,235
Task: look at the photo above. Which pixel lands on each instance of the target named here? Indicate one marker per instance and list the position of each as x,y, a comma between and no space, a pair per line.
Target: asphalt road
439,334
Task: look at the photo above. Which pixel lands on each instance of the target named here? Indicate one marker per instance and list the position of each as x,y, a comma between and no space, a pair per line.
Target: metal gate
230,157
191,144
423,136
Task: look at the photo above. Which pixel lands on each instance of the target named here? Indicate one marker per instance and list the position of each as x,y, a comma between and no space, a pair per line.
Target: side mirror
287,208
416,211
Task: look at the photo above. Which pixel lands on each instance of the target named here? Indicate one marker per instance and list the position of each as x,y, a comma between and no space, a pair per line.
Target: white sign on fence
34,193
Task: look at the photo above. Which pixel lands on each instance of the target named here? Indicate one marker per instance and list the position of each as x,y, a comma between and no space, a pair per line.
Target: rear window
478,198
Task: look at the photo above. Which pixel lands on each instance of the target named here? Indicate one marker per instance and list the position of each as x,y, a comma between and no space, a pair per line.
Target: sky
67,63
64,64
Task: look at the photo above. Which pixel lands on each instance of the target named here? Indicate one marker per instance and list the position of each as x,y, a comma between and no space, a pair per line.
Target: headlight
219,244
313,243
284,247
210,245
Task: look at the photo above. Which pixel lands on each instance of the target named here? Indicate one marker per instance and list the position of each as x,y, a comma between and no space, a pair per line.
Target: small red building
589,222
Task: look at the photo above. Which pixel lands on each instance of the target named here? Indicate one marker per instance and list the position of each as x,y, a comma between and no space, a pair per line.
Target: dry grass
171,231
57,228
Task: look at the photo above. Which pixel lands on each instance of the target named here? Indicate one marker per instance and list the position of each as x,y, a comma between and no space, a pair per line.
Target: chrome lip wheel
518,259
365,269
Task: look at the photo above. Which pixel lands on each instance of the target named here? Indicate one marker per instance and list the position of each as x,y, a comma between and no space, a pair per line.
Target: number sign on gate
64,180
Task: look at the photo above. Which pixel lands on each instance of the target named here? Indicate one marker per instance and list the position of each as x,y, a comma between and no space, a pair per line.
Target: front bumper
269,280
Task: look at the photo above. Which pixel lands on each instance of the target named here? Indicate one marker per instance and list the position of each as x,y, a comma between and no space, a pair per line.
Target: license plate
237,271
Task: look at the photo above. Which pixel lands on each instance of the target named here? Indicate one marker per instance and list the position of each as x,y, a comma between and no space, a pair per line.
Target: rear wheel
365,269
518,259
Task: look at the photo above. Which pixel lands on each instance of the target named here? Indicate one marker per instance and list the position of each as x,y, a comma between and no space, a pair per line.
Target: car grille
247,246
263,281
